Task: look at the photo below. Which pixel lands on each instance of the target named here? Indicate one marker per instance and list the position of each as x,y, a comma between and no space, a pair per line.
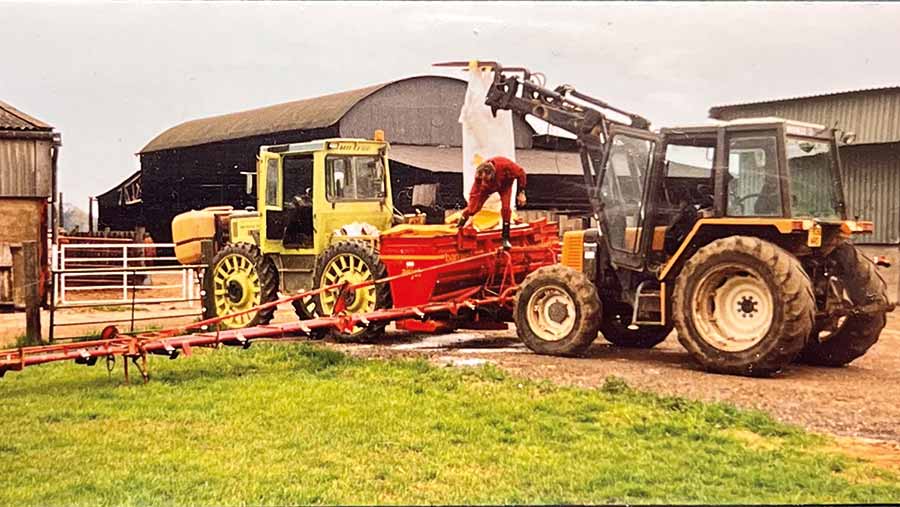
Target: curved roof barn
420,95
303,114
204,162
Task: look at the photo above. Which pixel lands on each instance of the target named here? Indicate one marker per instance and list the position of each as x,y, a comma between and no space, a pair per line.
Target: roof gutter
28,134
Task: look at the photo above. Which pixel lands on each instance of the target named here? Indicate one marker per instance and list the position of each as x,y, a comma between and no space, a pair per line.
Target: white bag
484,136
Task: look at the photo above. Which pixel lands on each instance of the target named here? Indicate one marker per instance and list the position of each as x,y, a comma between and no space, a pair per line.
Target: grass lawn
299,424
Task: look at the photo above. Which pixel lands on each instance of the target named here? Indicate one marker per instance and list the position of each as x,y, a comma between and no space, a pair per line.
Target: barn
201,162
871,162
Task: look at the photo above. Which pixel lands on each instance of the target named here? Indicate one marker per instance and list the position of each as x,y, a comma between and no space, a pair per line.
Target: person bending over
496,174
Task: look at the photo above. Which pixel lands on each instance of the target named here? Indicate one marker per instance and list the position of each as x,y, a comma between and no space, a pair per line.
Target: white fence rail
90,274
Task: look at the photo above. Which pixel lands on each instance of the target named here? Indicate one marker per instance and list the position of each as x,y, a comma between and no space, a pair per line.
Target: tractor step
648,306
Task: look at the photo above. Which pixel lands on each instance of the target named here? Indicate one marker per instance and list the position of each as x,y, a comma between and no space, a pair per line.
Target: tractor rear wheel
557,311
615,330
854,334
744,306
238,279
353,261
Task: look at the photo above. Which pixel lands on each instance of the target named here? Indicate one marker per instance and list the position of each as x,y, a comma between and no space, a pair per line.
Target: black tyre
855,334
743,306
238,279
353,261
305,308
557,311
614,328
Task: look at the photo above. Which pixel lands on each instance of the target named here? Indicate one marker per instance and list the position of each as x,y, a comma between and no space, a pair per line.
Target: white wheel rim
551,313
733,308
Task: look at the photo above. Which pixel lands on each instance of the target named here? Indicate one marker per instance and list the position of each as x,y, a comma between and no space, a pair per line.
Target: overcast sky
110,77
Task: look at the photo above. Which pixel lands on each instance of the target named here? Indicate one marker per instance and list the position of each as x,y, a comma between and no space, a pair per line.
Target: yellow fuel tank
191,228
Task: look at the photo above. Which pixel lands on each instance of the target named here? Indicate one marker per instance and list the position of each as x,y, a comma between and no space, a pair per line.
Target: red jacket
505,173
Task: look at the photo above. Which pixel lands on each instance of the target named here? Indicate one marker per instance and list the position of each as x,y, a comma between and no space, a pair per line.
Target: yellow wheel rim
350,268
235,289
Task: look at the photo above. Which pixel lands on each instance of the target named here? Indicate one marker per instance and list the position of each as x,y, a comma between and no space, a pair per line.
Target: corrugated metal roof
873,114
13,119
441,159
803,97
316,112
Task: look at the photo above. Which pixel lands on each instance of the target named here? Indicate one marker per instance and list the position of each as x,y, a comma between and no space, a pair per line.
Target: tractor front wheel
615,329
557,311
238,279
352,261
856,333
743,306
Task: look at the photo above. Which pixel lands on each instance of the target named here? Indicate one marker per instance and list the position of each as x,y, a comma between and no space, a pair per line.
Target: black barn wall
182,179
116,217
545,191
179,180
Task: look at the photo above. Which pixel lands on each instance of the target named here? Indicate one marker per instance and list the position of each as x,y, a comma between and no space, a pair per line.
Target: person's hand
520,199
462,222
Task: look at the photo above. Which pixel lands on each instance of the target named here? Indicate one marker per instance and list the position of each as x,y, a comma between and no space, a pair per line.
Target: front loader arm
516,89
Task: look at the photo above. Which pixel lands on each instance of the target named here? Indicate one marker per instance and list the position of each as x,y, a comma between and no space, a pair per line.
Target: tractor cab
310,194
654,188
307,191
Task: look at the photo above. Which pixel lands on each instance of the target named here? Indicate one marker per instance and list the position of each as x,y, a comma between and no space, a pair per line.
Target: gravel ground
861,400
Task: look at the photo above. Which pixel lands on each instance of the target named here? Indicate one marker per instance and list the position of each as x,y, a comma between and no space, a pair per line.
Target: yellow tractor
319,206
735,234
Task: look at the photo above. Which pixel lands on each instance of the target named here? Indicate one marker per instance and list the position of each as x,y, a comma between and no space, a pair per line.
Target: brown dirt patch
880,453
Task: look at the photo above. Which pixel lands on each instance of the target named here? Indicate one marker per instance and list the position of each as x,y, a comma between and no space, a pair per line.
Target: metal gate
91,275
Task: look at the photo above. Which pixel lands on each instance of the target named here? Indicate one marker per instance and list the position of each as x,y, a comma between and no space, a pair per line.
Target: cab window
810,166
622,189
354,178
753,182
688,177
272,183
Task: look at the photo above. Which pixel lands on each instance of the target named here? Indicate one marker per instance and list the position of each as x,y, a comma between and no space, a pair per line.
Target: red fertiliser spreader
407,249
440,278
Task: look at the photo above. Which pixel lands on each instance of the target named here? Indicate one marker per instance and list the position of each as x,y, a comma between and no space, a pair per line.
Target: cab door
285,206
625,190
269,199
